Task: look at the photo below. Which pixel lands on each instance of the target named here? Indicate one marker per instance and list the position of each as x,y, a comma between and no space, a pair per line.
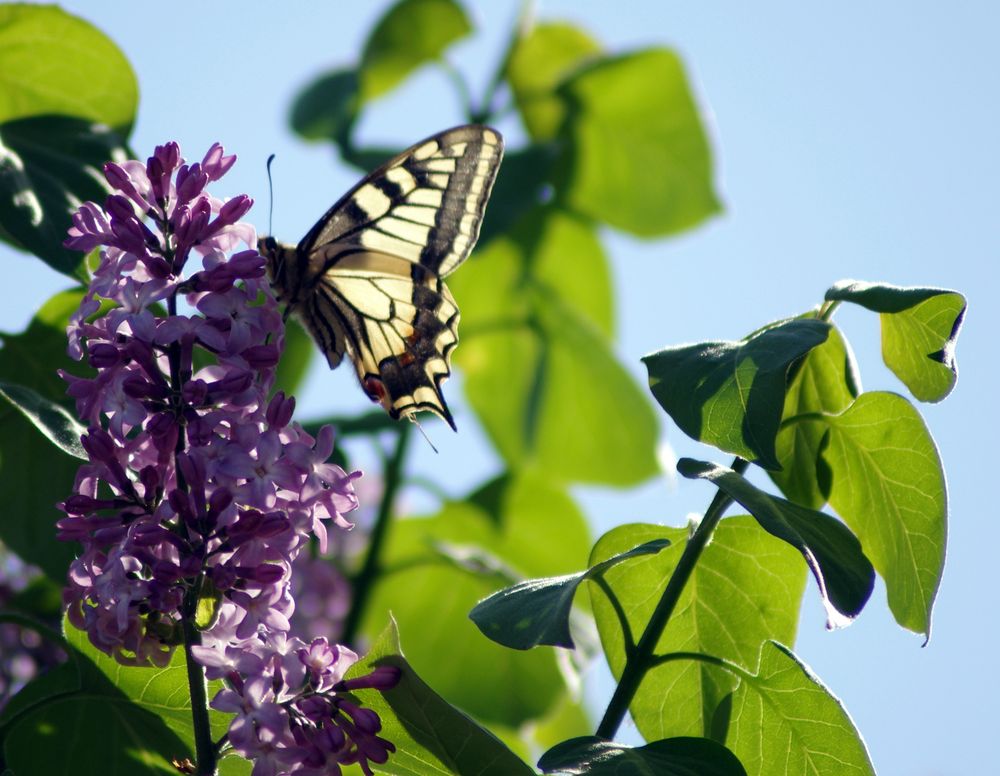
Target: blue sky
855,140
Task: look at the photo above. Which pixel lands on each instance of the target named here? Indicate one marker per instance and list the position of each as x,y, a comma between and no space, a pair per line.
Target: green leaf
431,737
56,423
529,526
746,587
537,611
539,372
670,757
327,108
825,381
48,166
833,554
295,358
410,34
731,394
630,115
887,482
784,714
161,691
54,63
920,329
538,62
34,473
127,719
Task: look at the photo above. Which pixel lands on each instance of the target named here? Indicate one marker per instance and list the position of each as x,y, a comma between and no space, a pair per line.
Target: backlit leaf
410,34
638,157
887,482
920,328
746,587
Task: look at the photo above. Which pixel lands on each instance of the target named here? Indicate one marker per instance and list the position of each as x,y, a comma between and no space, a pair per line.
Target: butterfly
367,281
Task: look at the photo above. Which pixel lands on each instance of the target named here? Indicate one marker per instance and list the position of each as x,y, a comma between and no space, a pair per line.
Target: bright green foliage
628,116
825,380
671,757
746,588
431,737
537,611
784,714
410,34
539,62
530,528
539,370
920,328
731,394
888,484
832,553
295,358
52,63
48,165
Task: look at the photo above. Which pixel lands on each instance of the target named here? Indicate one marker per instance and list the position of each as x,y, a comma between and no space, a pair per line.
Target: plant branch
365,578
639,663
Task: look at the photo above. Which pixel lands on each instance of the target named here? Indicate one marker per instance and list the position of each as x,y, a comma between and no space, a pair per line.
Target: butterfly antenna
270,193
415,422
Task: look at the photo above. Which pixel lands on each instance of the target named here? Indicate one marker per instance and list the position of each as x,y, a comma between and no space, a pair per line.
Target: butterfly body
367,280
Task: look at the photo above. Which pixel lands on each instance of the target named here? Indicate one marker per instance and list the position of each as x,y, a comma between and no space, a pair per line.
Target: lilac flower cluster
200,491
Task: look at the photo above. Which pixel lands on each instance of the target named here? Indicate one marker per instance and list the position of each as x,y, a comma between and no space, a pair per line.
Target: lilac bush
200,490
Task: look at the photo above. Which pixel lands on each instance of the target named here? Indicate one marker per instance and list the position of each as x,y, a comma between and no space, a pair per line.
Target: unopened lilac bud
215,163
103,355
279,410
382,678
261,356
99,445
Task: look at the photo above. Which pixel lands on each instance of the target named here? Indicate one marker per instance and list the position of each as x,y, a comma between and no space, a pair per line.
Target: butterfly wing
370,271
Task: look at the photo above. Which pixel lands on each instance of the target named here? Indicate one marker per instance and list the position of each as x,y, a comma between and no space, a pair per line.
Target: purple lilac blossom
200,489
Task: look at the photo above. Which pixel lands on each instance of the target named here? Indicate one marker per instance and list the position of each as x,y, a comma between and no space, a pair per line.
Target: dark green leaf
531,527
326,108
670,757
746,587
430,736
34,474
887,482
539,61
410,34
126,719
161,691
537,611
56,63
833,554
784,714
731,394
825,381
637,157
48,165
52,420
920,329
